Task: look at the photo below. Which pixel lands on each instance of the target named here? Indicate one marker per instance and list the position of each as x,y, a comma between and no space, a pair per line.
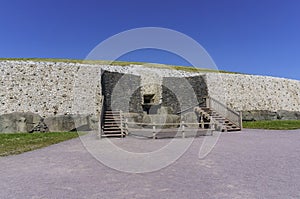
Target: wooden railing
182,127
226,112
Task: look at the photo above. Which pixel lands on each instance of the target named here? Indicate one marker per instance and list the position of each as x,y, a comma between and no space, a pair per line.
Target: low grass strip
273,125
16,143
122,63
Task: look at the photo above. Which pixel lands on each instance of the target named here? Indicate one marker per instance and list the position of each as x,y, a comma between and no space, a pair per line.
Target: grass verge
273,125
12,144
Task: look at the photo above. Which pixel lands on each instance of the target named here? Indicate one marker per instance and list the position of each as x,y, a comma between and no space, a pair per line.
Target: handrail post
101,118
121,124
182,129
154,131
126,126
207,102
99,127
211,125
210,122
241,119
202,122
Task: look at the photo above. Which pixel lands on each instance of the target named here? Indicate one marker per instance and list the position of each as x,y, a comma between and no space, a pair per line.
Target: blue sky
249,36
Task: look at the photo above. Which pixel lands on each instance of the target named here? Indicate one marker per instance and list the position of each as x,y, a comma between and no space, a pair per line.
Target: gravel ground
251,164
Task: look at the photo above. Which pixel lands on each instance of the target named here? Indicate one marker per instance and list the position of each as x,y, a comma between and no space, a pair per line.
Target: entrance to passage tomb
149,99
149,106
128,104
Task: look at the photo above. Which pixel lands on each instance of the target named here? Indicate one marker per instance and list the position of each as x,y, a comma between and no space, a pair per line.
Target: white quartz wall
252,92
47,88
56,88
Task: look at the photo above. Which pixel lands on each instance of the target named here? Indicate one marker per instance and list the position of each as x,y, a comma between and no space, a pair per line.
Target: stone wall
182,93
122,92
47,88
252,92
51,89
151,82
199,86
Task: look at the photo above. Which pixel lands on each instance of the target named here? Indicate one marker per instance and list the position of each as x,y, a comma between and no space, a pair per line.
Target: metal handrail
224,106
189,108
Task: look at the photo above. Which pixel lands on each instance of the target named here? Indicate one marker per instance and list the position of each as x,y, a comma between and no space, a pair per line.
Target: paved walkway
252,164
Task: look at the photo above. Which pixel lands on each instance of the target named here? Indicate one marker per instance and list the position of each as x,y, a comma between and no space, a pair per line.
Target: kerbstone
18,122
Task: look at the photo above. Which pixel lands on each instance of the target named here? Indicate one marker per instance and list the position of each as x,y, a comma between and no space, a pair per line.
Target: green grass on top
120,63
273,125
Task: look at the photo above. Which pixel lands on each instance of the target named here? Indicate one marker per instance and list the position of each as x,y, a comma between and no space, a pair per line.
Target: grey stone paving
252,164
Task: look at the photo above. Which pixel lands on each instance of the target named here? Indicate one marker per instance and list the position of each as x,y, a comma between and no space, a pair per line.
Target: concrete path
251,164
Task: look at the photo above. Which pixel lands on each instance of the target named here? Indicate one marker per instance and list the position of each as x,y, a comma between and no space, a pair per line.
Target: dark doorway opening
149,99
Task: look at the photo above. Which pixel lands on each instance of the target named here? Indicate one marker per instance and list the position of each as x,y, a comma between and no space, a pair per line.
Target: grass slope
12,144
120,63
273,125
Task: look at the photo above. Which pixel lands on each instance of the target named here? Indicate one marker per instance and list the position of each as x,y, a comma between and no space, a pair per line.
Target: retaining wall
50,89
47,88
252,92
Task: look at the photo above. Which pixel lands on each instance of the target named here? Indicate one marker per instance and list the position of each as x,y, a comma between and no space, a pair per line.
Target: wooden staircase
113,124
222,123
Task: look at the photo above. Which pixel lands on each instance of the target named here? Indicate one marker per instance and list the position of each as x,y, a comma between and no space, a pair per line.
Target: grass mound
121,63
12,144
273,125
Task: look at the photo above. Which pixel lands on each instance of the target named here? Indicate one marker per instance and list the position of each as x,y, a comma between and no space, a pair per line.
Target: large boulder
288,115
162,119
257,115
93,122
19,122
66,123
134,119
190,118
269,115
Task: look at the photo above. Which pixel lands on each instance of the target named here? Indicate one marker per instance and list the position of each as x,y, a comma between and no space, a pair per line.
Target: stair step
110,132
110,118
221,122
111,124
113,135
236,129
205,108
112,128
